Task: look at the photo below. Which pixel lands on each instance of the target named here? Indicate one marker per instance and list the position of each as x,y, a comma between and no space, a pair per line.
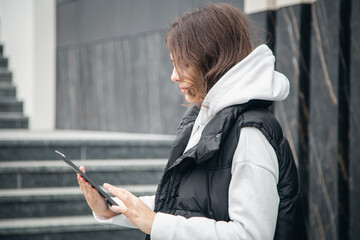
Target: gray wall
88,20
113,67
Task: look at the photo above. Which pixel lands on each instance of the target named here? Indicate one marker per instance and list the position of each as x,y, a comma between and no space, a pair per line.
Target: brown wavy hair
208,42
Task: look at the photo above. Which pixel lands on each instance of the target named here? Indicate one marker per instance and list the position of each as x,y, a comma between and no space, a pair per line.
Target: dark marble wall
263,28
354,150
288,50
317,48
324,114
292,51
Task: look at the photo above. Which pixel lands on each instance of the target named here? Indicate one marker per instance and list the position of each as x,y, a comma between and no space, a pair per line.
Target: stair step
3,62
28,145
7,90
11,115
10,105
31,174
5,76
75,227
5,84
50,202
13,120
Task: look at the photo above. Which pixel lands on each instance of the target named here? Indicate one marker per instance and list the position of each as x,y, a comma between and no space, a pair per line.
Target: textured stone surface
128,234
45,202
77,152
57,174
323,170
88,20
5,75
3,62
292,59
27,145
288,62
7,89
77,227
54,179
10,105
11,110
263,27
13,120
118,85
19,152
58,212
354,153
31,209
121,83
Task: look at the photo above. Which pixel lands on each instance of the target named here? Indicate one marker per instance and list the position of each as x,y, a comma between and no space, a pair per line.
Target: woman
231,173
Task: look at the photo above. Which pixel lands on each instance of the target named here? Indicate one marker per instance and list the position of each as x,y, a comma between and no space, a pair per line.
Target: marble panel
324,115
354,150
119,84
263,26
344,119
292,59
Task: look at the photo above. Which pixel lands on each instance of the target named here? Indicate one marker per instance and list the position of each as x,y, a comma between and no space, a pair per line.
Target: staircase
39,194
11,110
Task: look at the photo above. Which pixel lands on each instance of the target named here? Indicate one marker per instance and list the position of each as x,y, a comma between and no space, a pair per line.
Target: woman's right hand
93,198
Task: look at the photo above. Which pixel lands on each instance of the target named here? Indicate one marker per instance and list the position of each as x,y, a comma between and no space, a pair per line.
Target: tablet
108,199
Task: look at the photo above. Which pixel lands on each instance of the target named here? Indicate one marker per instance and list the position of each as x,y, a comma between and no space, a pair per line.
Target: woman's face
184,84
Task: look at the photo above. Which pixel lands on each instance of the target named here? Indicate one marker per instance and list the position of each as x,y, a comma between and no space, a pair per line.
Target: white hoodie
253,197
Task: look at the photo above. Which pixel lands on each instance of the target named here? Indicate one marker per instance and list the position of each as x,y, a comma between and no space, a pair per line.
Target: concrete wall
113,67
89,20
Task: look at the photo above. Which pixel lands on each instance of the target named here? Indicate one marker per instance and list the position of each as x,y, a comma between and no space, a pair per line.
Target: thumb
82,168
118,208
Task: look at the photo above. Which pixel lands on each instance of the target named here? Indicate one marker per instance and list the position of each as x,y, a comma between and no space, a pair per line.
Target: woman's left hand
135,210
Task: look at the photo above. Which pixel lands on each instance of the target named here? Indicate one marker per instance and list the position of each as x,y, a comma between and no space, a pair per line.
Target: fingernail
106,185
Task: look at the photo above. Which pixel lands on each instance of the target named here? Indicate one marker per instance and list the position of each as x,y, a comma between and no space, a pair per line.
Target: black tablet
108,199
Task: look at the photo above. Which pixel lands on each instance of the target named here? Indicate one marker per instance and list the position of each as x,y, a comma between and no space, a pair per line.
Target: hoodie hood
252,78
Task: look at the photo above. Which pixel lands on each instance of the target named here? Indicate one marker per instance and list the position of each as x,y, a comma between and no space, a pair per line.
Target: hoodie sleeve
253,198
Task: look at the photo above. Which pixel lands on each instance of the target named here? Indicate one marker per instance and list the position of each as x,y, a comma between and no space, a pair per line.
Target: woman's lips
183,90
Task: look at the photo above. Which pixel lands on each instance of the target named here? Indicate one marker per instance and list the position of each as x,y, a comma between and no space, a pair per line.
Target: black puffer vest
196,183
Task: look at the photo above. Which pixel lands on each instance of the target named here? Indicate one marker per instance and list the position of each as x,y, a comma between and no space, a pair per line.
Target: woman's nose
175,76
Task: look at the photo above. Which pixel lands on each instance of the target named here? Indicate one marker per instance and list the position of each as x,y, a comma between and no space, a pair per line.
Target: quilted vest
196,183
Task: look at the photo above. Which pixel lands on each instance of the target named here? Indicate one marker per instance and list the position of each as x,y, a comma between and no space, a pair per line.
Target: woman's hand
135,210
93,198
